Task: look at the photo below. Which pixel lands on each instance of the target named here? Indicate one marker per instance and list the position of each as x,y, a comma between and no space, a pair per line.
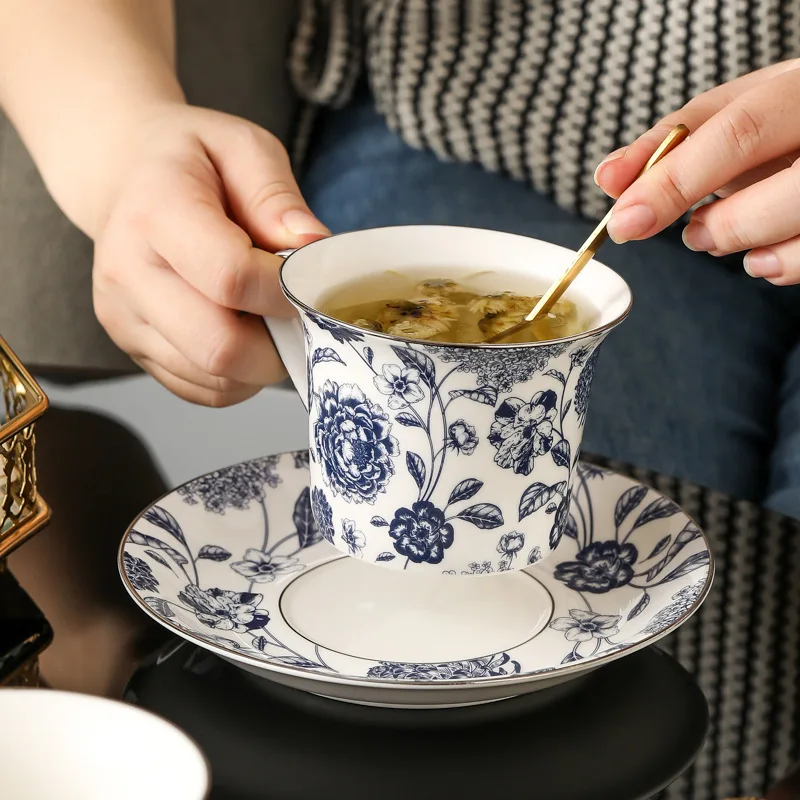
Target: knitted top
540,90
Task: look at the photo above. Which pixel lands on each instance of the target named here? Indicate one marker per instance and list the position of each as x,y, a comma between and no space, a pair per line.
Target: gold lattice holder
22,510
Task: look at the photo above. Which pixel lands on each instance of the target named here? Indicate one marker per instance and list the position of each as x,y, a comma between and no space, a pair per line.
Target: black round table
624,732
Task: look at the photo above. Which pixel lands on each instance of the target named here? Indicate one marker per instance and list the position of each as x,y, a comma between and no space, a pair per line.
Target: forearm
76,78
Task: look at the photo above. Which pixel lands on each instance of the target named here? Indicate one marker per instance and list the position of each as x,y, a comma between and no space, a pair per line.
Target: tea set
440,543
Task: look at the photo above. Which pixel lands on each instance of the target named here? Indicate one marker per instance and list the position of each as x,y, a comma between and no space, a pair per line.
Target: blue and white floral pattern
493,666
631,567
405,434
353,443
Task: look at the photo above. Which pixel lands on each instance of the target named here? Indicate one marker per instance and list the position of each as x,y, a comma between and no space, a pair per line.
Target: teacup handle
287,334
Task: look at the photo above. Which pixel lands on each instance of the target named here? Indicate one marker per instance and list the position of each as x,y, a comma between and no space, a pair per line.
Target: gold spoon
589,247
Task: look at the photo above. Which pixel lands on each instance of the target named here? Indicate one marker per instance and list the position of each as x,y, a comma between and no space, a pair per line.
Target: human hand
185,247
744,147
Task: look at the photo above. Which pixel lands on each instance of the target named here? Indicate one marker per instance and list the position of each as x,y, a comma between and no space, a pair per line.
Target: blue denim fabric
701,382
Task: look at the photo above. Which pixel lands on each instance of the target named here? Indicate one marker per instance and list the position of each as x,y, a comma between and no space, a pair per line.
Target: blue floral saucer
235,561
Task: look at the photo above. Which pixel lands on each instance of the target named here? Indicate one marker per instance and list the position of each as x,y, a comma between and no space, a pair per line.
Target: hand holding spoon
589,247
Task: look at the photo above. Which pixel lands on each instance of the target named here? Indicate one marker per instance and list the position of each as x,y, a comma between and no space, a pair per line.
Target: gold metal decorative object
22,510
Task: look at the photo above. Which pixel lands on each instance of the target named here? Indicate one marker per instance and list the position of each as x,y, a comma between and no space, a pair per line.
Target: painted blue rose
139,573
224,610
522,431
353,443
323,514
462,437
420,533
599,568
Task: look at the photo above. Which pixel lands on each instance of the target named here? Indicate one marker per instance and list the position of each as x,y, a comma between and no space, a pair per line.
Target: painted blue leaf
385,556
559,376
414,359
161,607
409,420
689,533
571,528
143,538
177,557
161,518
627,502
379,522
213,553
369,355
308,532
464,490
159,559
485,394
260,643
570,657
561,453
416,466
325,354
657,568
566,408
534,497
662,543
658,509
151,541
692,563
640,606
483,515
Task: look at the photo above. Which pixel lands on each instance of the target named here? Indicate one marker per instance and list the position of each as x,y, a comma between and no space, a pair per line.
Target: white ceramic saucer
234,561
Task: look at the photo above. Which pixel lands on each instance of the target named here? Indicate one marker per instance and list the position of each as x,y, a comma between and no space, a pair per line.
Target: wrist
84,163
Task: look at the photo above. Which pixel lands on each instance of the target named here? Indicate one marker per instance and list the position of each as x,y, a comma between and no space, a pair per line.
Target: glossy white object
67,746
235,562
420,449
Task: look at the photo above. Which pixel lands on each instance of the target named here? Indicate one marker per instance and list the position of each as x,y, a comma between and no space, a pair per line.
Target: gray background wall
189,440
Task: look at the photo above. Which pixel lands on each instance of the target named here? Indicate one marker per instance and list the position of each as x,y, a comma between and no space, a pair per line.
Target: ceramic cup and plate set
440,543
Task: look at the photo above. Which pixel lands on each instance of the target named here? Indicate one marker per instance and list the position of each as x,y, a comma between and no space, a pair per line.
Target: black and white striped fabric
538,89
743,645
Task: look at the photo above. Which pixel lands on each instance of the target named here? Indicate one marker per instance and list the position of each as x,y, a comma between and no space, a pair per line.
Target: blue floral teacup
452,459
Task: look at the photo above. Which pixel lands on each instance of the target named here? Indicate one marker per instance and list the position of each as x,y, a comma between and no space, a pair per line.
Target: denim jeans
702,381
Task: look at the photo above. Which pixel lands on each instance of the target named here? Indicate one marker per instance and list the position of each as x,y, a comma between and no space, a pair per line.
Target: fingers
219,341
261,189
210,251
195,337
753,217
192,392
778,263
619,169
758,126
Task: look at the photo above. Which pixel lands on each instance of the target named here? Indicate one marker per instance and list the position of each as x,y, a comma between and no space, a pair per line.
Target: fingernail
630,223
616,155
762,264
697,237
301,222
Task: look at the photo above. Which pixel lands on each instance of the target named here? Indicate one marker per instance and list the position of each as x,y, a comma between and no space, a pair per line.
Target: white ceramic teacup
446,458
67,746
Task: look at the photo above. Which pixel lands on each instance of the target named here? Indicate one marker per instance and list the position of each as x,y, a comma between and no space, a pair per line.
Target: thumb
261,190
